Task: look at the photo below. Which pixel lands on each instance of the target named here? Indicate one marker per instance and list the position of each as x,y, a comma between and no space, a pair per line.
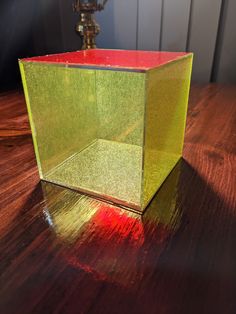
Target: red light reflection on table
111,243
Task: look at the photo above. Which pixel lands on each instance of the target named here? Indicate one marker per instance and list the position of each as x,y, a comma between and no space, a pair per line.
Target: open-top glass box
109,123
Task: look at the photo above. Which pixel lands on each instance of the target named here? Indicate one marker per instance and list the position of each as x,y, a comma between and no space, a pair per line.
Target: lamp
87,27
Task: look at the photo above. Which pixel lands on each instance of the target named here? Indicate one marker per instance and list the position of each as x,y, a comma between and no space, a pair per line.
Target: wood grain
61,252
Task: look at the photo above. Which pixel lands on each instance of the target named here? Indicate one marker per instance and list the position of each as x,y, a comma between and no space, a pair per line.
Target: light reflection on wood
108,241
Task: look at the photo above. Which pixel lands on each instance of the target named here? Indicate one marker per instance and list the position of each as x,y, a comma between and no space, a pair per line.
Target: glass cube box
109,123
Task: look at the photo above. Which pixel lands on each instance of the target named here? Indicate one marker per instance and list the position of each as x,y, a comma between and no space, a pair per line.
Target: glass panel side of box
165,119
88,128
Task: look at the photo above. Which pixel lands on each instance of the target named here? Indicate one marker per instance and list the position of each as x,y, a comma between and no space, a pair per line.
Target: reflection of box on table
83,223
108,122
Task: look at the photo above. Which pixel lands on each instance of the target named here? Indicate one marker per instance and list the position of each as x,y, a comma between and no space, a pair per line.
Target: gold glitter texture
113,134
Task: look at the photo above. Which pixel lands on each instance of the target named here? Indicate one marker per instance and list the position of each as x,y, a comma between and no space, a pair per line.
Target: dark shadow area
16,39
31,28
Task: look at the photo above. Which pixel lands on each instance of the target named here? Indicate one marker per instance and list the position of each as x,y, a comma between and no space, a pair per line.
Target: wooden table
63,253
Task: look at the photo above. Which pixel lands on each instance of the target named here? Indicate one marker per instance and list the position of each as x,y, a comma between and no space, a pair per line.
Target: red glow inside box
124,59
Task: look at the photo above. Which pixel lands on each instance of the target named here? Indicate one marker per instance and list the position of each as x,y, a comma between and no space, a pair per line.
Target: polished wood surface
61,252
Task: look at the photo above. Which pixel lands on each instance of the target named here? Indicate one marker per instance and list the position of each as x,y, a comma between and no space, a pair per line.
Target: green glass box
108,123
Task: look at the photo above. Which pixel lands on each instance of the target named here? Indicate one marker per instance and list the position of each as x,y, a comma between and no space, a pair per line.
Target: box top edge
132,60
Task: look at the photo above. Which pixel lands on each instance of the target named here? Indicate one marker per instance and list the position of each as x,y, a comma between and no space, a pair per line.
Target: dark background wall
33,27
206,27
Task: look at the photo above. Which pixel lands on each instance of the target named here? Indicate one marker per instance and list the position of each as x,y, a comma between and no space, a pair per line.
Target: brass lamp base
87,27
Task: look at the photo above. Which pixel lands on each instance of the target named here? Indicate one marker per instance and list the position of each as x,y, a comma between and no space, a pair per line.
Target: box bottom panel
113,171
108,169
